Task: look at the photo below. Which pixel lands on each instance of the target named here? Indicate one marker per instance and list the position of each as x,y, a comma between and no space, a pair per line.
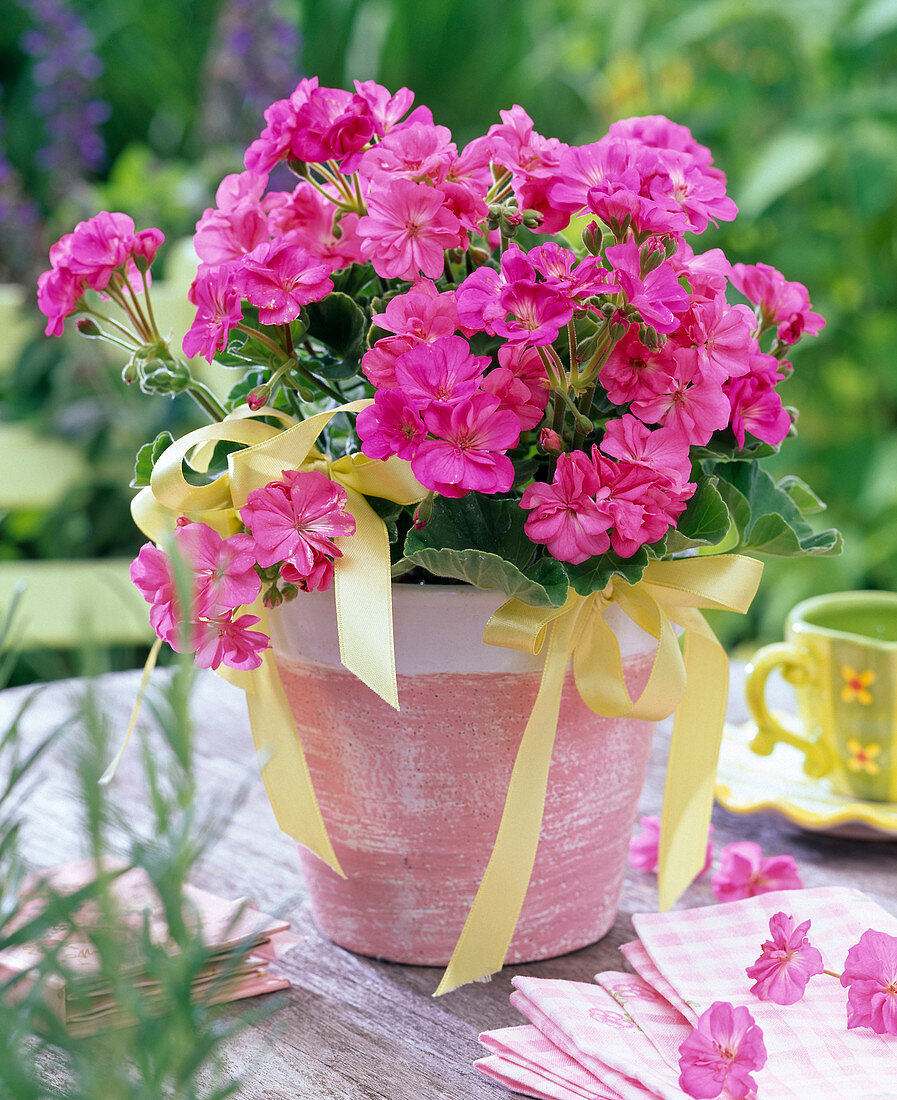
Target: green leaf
792,157
338,323
767,517
147,457
480,539
705,521
807,502
595,574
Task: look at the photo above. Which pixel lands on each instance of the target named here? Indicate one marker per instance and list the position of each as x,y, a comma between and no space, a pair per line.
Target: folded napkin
620,1037
241,942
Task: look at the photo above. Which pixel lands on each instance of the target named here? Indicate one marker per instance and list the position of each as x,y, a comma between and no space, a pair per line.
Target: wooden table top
353,1027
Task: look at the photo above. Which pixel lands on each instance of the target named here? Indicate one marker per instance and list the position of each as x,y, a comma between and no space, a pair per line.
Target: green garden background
797,100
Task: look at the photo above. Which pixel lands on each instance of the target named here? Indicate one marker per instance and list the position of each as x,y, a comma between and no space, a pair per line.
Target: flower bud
669,247
593,239
424,511
289,592
532,219
583,425
649,259
649,336
273,597
163,376
257,398
130,372
550,442
88,328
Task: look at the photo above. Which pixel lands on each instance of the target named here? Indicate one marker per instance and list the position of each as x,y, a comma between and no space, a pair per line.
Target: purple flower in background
65,68
252,62
23,246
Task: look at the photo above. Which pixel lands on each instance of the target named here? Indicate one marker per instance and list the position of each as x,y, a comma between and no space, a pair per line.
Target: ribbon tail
486,936
694,751
109,773
363,590
285,769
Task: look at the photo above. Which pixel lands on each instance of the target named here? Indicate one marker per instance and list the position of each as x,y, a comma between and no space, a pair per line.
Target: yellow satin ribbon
693,682
362,580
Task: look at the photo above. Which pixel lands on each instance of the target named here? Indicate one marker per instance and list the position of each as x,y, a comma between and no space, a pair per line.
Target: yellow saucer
747,783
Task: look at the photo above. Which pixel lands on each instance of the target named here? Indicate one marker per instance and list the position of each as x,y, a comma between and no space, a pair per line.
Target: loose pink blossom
100,245
406,230
416,151
744,872
870,977
379,363
700,194
722,1052
280,277
58,294
318,579
315,223
224,640
720,337
478,297
532,160
634,372
644,847
386,108
294,519
218,309
570,517
787,962
275,143
468,451
658,132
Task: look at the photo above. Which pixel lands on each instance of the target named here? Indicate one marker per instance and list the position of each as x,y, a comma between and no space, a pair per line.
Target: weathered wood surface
353,1027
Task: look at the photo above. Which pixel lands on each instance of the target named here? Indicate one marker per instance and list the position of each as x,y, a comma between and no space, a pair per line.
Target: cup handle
797,670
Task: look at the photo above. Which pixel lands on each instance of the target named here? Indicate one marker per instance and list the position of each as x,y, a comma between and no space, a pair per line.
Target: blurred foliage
174,1048
797,100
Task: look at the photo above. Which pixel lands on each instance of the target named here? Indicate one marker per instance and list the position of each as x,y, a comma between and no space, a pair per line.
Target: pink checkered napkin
702,954
526,1046
600,1035
520,1079
640,961
664,1026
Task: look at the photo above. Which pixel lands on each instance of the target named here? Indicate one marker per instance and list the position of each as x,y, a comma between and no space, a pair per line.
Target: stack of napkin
618,1039
241,942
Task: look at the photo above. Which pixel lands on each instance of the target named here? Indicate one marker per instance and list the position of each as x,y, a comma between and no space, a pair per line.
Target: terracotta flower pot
412,800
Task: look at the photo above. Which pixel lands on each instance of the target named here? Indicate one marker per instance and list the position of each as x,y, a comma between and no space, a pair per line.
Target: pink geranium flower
571,516
391,426
224,575
687,404
443,371
218,309
152,575
406,230
537,314
657,295
58,293
330,124
787,962
280,277
757,408
870,977
224,640
744,872
224,235
99,245
644,847
722,1052
423,313
295,519
662,450
468,451
781,302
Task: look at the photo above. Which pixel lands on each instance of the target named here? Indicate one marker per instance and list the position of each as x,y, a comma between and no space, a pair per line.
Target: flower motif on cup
856,685
862,757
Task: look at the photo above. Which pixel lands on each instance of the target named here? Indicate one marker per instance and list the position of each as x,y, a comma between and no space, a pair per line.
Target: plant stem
585,409
831,973
206,400
148,300
574,362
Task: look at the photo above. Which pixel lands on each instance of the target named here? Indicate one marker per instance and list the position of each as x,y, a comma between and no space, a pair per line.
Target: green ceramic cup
840,654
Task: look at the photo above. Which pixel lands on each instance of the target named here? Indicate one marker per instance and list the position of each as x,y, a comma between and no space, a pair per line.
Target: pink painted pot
412,800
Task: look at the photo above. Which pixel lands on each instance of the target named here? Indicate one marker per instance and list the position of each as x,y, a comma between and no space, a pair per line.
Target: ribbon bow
693,682
362,580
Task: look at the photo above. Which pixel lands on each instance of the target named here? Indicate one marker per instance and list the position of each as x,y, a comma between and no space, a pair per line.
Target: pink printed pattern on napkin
702,954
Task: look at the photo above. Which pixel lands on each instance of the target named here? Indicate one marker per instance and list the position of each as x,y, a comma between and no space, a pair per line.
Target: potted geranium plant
434,387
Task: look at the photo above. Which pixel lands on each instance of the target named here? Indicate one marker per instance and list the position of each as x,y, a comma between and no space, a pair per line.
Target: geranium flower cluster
587,377
292,524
